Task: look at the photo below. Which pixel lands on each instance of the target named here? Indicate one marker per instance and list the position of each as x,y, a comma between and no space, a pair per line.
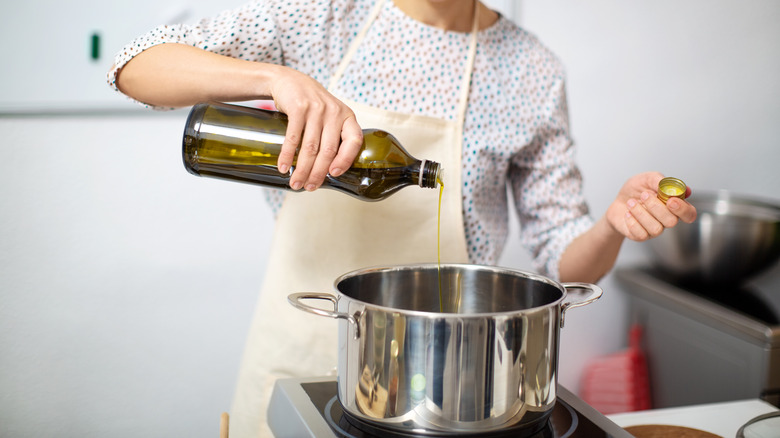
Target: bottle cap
430,174
671,188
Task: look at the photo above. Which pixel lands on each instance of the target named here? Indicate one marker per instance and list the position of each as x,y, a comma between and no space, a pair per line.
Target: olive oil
243,144
670,187
438,244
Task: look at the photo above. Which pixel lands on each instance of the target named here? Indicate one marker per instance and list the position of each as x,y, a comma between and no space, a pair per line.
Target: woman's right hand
322,130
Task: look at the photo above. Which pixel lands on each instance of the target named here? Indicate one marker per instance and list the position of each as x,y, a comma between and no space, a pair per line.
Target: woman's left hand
639,215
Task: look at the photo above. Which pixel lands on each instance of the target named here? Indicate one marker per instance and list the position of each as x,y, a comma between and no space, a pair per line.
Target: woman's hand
322,130
639,215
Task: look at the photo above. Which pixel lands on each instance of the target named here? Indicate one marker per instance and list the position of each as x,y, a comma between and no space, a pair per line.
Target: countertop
722,419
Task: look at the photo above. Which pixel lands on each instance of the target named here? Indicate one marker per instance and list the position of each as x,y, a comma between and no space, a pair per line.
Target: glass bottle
242,144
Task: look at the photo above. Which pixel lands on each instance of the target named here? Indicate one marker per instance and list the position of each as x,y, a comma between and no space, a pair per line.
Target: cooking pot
734,238
481,358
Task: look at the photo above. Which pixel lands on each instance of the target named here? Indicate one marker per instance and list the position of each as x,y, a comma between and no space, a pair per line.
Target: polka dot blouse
516,132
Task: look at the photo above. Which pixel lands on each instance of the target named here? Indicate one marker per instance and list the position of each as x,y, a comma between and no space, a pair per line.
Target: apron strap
334,79
465,85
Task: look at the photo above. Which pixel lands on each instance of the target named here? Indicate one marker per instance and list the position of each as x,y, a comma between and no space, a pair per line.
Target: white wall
50,45
126,284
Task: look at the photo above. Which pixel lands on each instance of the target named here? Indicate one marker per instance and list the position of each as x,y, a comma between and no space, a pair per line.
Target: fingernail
296,185
284,168
645,196
673,204
311,187
631,203
336,172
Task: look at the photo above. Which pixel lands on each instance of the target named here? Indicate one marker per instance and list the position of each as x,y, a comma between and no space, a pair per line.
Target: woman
456,83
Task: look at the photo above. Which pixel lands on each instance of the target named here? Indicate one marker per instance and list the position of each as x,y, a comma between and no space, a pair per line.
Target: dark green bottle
242,144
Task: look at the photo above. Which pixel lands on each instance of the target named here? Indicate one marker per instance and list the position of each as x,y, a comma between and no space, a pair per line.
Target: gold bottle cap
671,188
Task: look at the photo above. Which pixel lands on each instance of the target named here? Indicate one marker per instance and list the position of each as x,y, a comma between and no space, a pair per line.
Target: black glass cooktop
315,403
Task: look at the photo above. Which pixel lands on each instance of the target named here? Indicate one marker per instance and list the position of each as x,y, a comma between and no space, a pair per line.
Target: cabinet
56,54
707,347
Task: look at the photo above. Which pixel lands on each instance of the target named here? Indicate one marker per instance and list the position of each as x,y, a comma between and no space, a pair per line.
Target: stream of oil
438,243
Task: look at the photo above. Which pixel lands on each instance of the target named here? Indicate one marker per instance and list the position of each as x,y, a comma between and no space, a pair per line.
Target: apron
323,234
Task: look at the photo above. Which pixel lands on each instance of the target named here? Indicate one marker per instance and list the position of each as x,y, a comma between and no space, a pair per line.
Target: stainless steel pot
484,359
734,238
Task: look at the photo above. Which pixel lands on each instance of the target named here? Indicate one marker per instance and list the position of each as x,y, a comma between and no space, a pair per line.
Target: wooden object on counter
664,431
224,425
723,418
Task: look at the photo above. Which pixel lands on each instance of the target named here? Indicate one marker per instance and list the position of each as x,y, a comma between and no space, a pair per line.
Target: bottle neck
429,175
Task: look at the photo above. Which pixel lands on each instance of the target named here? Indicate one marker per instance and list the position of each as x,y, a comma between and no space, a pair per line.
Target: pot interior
465,289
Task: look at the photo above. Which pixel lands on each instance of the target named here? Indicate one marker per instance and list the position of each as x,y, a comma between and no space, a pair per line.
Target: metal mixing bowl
733,238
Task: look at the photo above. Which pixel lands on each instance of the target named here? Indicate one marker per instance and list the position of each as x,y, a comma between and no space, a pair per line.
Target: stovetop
309,407
757,298
751,309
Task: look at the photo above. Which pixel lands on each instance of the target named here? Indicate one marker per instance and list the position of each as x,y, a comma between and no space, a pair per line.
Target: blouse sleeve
547,184
248,32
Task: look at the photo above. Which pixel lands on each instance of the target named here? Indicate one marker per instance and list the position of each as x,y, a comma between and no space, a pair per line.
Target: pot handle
578,294
297,298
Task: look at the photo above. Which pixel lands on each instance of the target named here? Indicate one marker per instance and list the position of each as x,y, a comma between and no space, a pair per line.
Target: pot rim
725,202
465,266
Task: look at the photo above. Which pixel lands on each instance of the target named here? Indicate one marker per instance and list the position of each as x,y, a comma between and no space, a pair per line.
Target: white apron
324,234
